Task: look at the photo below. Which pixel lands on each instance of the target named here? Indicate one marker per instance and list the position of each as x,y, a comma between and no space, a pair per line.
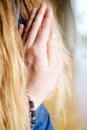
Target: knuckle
25,31
33,25
43,25
49,12
46,23
39,14
34,51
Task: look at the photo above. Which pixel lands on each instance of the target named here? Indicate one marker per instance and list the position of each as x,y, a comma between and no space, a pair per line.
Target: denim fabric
43,121
21,21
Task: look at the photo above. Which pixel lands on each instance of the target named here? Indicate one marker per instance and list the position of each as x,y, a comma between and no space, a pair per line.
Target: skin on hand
41,54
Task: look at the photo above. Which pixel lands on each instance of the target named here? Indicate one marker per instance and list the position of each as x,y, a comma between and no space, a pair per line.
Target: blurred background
80,66
76,107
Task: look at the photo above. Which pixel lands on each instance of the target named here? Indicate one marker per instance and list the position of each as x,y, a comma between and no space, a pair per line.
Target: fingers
52,44
44,31
42,38
52,52
32,16
36,25
21,29
40,31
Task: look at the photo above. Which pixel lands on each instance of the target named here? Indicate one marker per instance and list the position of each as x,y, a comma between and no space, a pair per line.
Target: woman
31,62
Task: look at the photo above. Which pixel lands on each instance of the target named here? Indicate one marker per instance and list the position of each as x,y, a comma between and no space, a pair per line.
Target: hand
41,54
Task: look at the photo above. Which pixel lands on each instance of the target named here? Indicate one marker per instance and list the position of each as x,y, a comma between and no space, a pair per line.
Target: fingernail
43,5
34,10
49,9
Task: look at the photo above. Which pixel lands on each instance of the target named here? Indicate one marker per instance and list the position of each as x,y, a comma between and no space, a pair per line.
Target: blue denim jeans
43,121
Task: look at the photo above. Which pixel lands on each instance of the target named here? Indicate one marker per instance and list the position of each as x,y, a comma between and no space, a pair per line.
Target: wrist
33,97
36,95
35,100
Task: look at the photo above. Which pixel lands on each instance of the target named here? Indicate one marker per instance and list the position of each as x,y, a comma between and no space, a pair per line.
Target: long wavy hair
13,102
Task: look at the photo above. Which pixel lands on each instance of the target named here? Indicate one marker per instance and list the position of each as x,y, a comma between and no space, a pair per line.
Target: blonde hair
13,103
